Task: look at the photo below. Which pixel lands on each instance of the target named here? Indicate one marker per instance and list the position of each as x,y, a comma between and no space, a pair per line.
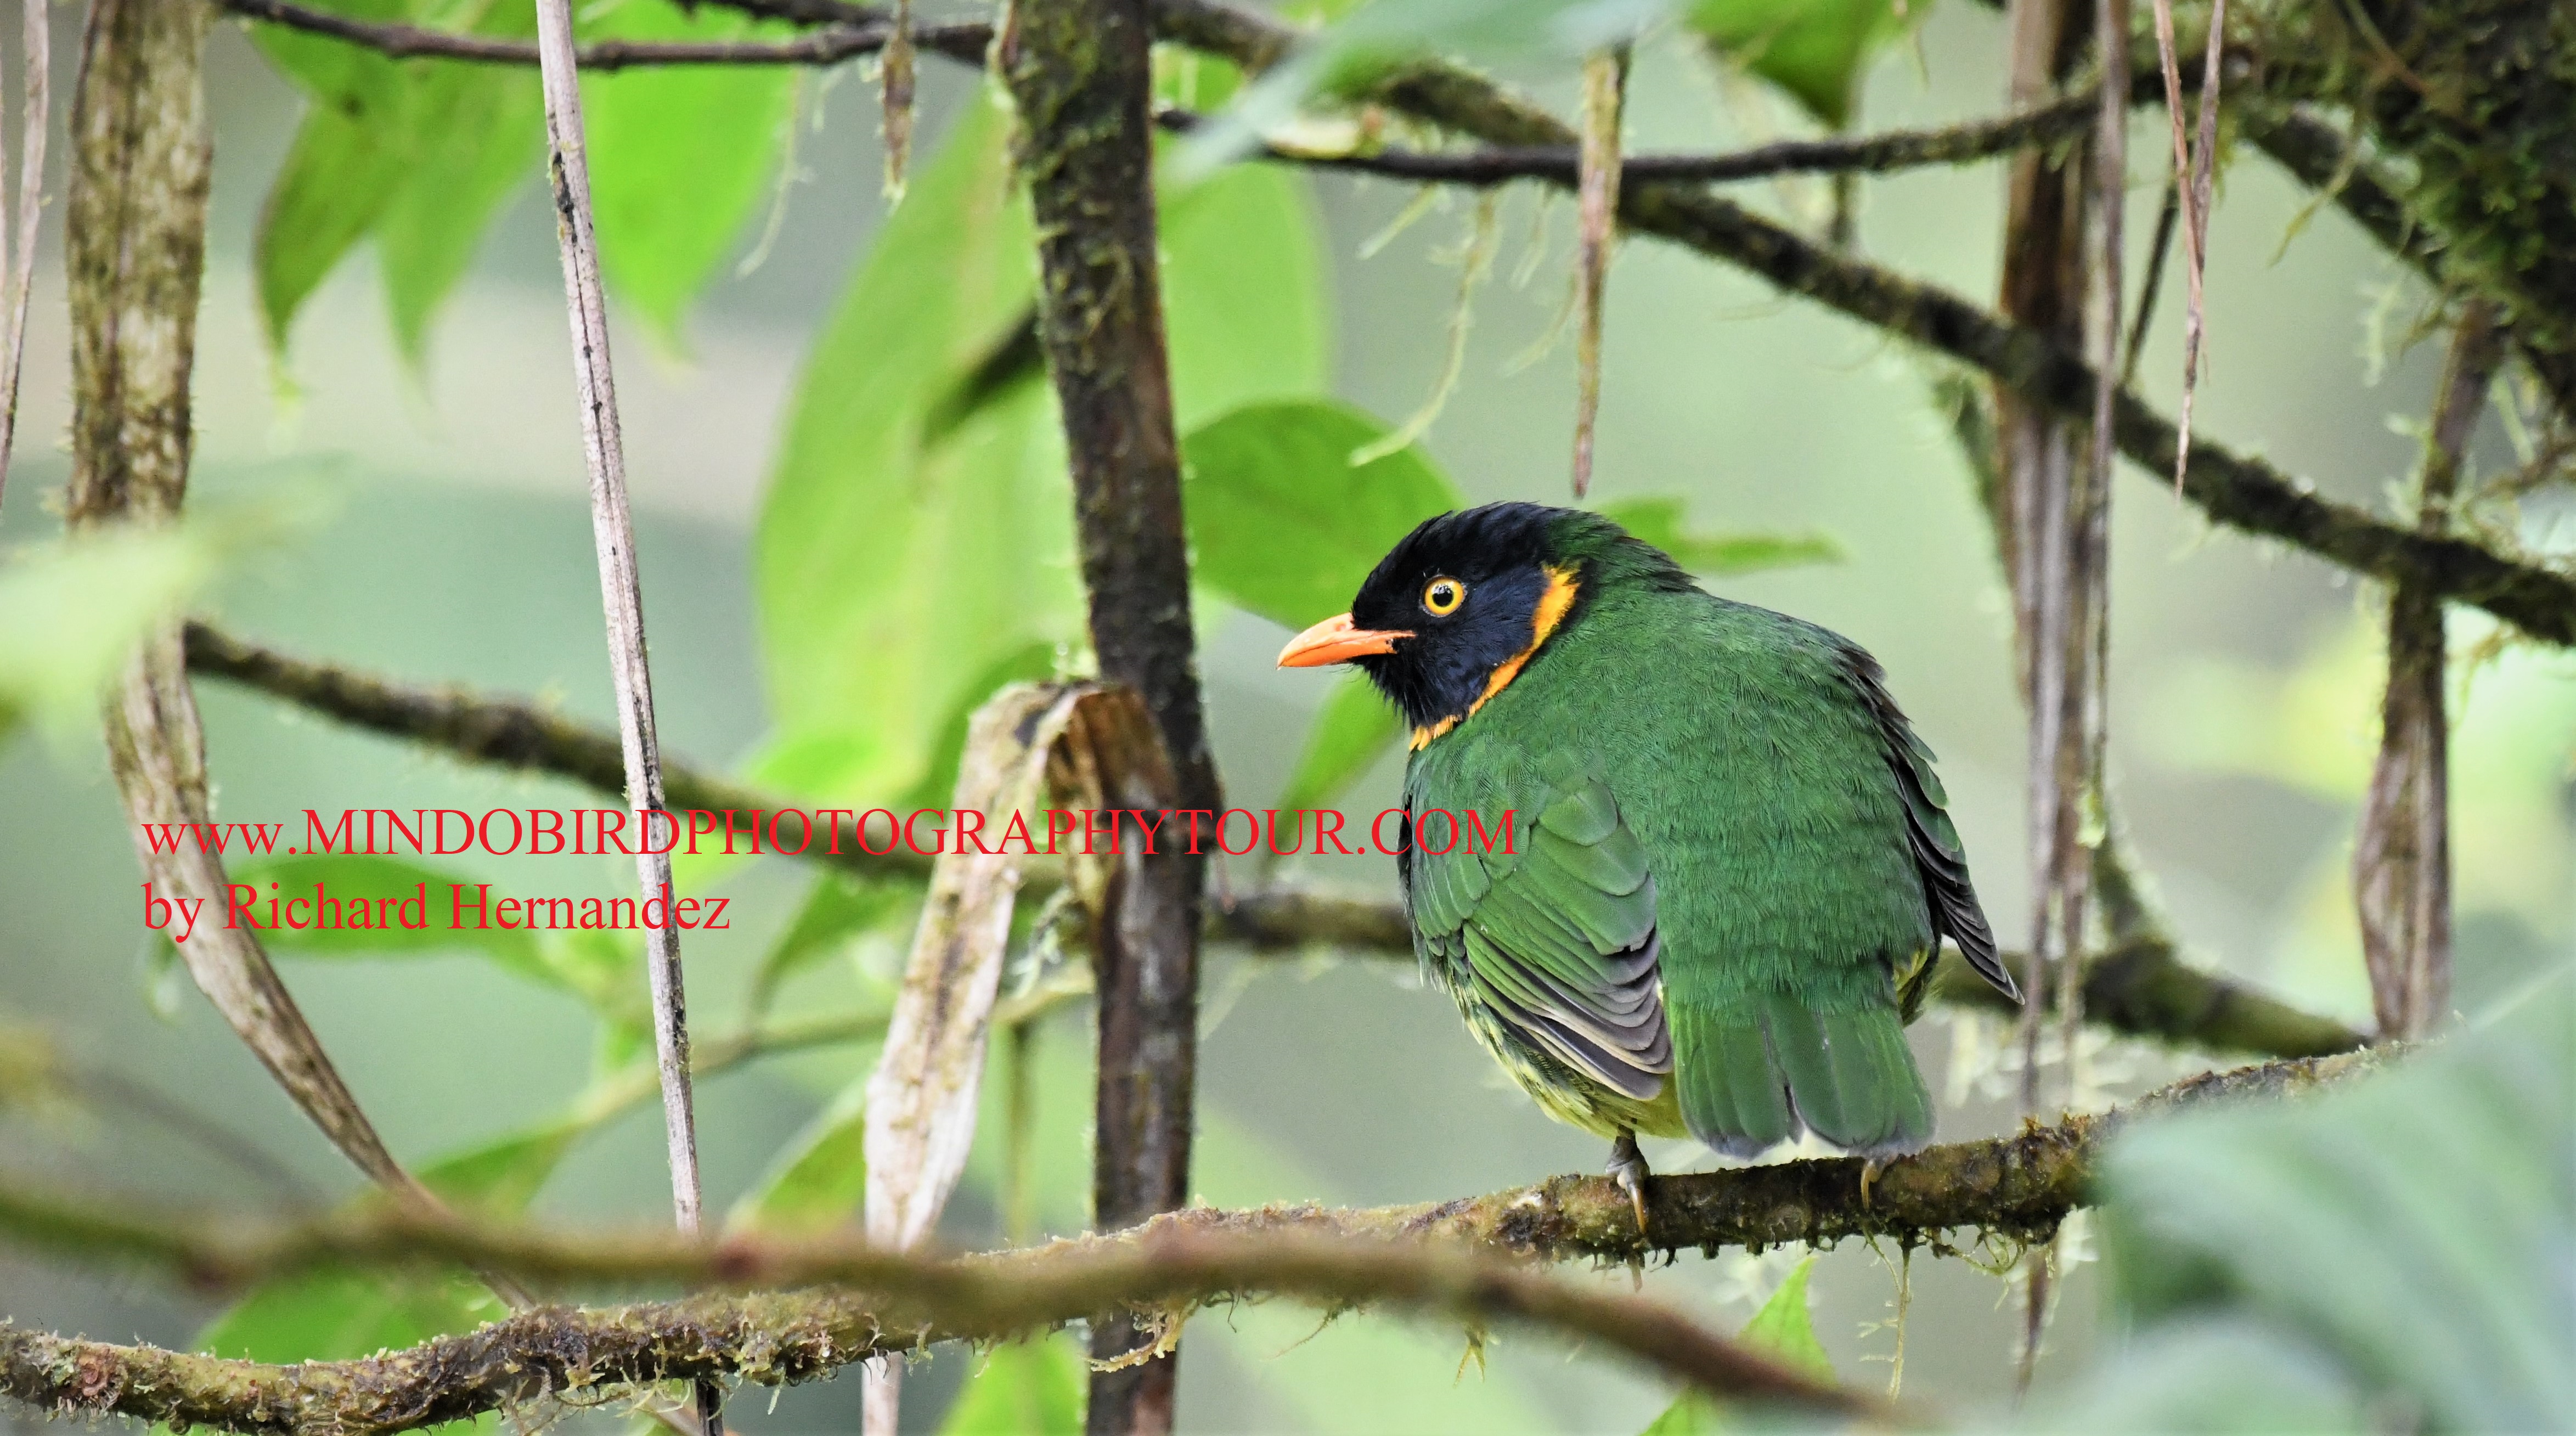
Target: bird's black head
1454,611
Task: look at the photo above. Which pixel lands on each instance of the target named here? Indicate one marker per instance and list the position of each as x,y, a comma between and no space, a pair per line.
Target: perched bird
1729,872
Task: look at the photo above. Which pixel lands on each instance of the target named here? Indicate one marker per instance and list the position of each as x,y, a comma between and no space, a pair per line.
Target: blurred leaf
358,880
1027,1388
1659,521
1814,49
1027,665
419,153
1245,308
71,612
1282,524
1784,1328
818,1178
893,571
919,451
2415,1229
680,155
1350,732
505,1174
838,908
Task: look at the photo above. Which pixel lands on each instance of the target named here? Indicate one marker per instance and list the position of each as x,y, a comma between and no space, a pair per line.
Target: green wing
1553,940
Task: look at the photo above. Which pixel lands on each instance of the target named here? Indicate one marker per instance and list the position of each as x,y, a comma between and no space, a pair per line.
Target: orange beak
1335,641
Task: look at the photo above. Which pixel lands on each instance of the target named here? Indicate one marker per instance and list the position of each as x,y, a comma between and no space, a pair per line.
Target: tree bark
1080,71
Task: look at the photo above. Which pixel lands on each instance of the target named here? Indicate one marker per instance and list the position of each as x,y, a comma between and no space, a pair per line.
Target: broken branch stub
1091,747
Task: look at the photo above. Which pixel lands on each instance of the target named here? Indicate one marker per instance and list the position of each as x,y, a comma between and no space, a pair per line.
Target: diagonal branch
2141,987
1456,1260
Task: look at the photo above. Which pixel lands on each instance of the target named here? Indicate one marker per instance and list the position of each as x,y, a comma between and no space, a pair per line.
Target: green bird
1728,872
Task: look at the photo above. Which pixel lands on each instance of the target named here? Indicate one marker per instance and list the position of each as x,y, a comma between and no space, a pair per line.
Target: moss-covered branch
1460,1260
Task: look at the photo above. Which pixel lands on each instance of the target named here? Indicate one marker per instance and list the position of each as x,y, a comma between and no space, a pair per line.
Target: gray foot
1628,1168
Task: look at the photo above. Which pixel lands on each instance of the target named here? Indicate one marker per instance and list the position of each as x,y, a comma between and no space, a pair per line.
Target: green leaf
2411,1228
1282,523
1784,1328
1659,521
1350,732
819,1177
1244,301
1028,1388
72,612
891,572
1814,49
920,450
837,909
420,154
361,886
680,156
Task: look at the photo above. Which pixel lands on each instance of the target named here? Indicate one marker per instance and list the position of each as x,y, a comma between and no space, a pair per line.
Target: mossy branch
1461,1260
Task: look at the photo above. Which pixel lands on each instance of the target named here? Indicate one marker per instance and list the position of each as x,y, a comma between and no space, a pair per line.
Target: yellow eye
1441,597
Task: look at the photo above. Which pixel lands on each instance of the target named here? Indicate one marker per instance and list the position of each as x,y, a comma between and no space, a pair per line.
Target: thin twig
1605,89
1883,153
36,45
621,593
831,46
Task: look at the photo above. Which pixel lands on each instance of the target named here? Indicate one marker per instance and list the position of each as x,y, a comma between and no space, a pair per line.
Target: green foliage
837,909
1283,524
72,612
1784,1328
420,155
680,155
2406,1240
916,550
819,1177
355,879
1814,49
1027,1388
417,153
1659,521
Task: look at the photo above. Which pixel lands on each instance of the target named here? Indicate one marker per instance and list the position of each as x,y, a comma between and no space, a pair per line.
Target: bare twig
843,40
1605,88
2401,860
621,594
36,49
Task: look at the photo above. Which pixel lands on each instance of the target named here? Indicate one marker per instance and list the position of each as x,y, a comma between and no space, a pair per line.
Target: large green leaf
680,155
1283,523
890,571
916,549
1027,1388
1659,521
419,153
2416,1231
1814,49
359,886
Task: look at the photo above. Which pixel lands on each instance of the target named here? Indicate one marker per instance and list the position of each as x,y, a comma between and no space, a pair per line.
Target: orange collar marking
1553,605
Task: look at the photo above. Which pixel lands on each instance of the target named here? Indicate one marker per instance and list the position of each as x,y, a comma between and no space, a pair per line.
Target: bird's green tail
1749,1074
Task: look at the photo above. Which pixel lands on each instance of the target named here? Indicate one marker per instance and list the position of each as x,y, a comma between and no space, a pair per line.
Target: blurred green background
445,538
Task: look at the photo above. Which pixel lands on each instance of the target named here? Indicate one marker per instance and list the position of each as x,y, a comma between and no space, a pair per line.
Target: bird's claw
1628,1168
1870,1167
